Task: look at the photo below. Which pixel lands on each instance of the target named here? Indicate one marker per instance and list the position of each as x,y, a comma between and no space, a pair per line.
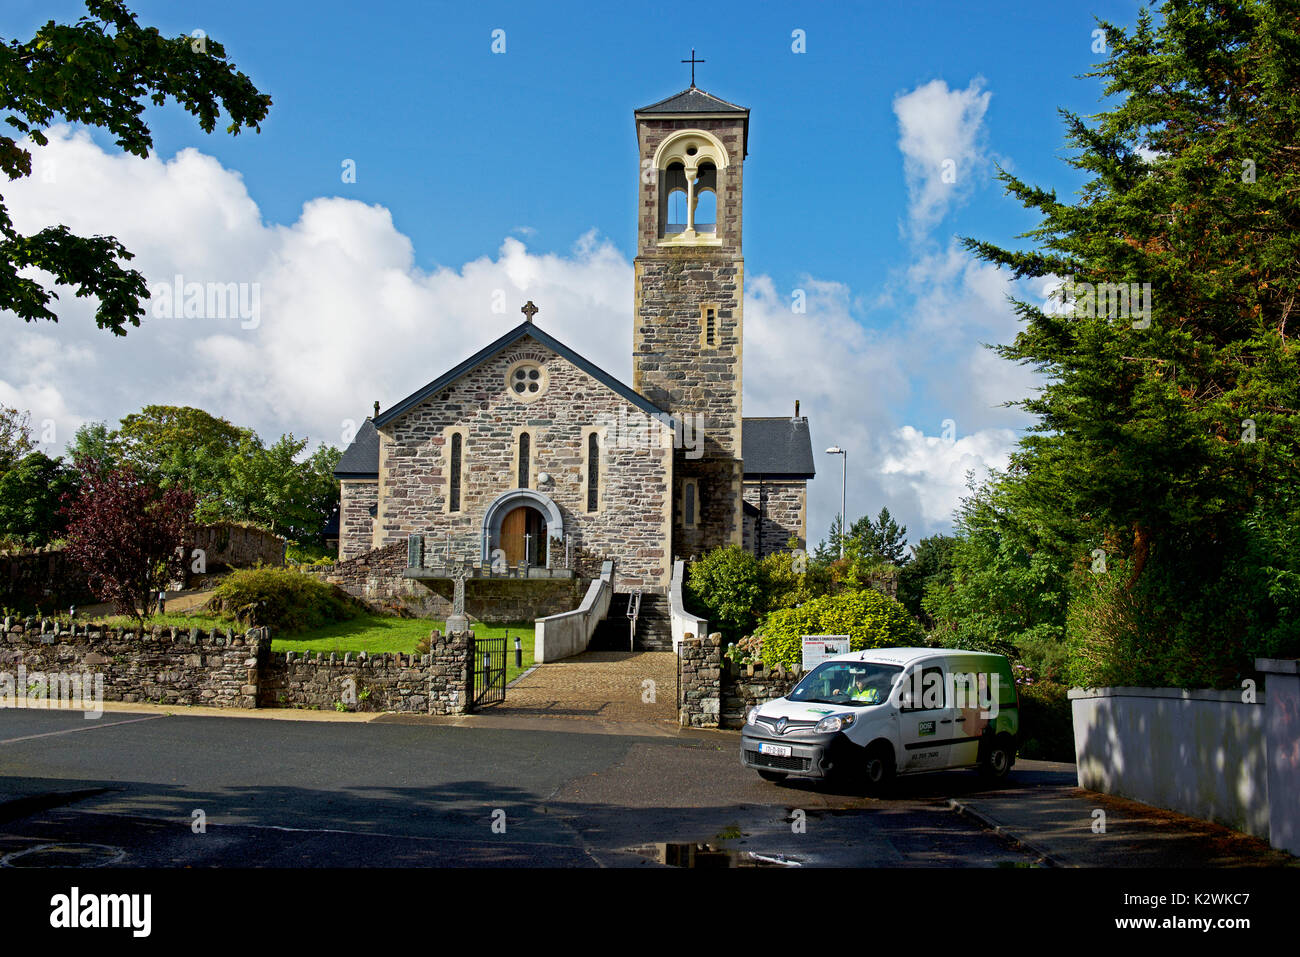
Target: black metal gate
489,655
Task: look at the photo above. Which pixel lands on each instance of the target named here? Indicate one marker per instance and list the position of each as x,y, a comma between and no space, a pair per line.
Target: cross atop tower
692,61
529,310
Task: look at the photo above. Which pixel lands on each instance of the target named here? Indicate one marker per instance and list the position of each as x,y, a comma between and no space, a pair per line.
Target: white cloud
939,135
346,317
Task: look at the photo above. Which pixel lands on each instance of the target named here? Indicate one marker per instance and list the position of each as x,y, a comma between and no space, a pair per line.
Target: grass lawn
376,634
373,634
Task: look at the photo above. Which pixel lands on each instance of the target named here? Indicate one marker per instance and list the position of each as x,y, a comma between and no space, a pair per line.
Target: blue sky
520,168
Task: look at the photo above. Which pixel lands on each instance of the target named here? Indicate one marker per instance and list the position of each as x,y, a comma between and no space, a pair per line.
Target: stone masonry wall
225,670
744,687
783,508
375,577
165,665
671,365
436,683
356,521
699,662
235,546
632,524
45,579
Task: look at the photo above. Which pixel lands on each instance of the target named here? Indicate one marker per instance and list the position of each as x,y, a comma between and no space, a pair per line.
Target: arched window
690,165
454,478
525,442
689,504
593,472
706,199
674,213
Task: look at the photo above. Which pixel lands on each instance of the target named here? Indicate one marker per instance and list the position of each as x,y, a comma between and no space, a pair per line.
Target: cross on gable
529,310
692,61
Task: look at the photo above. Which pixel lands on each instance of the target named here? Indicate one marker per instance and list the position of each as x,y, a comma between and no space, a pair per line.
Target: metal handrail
633,612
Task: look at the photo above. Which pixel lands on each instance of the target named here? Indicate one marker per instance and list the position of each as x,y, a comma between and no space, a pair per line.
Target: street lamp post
844,478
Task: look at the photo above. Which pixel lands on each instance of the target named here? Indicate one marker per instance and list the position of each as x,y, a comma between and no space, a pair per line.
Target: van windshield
854,683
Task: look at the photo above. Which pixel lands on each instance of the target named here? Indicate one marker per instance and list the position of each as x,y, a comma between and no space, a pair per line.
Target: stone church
526,452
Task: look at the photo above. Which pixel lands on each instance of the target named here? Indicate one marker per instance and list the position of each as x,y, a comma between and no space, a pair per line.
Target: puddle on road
690,854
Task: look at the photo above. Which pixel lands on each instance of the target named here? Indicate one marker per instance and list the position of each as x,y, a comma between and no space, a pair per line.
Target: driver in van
859,690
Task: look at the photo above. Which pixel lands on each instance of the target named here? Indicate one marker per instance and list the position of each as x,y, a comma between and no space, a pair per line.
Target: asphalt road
124,790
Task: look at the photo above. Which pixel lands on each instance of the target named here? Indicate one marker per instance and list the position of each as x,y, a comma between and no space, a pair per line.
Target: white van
868,715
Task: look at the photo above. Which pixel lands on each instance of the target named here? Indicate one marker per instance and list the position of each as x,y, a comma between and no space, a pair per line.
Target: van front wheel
878,767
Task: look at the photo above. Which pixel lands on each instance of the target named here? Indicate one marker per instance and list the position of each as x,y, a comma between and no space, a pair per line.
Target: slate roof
696,101
693,100
777,447
361,460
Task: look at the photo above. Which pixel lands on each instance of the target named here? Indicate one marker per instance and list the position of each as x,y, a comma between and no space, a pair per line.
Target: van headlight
836,722
753,716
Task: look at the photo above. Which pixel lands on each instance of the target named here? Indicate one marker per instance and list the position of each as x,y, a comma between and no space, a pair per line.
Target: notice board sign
817,648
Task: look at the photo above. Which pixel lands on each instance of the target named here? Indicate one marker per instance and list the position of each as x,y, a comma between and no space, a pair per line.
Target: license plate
776,750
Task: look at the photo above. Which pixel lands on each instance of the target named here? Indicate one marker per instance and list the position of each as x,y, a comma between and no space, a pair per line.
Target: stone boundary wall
699,681
176,666
716,693
747,686
45,578
375,578
226,544
221,669
436,683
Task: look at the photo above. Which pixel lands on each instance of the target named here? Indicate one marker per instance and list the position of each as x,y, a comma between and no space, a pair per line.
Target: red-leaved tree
127,533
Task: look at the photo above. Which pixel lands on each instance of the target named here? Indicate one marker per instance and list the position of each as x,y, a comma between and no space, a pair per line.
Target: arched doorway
535,523
522,535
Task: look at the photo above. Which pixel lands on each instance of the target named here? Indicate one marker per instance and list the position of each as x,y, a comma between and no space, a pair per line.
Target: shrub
870,619
724,585
783,587
286,601
1046,721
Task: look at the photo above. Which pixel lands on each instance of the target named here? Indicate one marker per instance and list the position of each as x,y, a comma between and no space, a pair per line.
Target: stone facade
358,503
783,513
672,364
635,481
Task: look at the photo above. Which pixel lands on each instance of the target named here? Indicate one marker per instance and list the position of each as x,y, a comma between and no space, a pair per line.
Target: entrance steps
654,627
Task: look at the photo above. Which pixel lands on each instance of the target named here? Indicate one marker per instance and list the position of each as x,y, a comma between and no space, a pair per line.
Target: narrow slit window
593,472
524,450
688,504
454,491
710,326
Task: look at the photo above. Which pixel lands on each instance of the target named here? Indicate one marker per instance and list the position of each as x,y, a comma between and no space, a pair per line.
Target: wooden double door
523,536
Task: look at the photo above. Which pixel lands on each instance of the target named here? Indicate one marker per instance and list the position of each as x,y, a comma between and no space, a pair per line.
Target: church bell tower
688,330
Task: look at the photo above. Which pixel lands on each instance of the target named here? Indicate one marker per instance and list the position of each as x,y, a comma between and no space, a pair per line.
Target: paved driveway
623,686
